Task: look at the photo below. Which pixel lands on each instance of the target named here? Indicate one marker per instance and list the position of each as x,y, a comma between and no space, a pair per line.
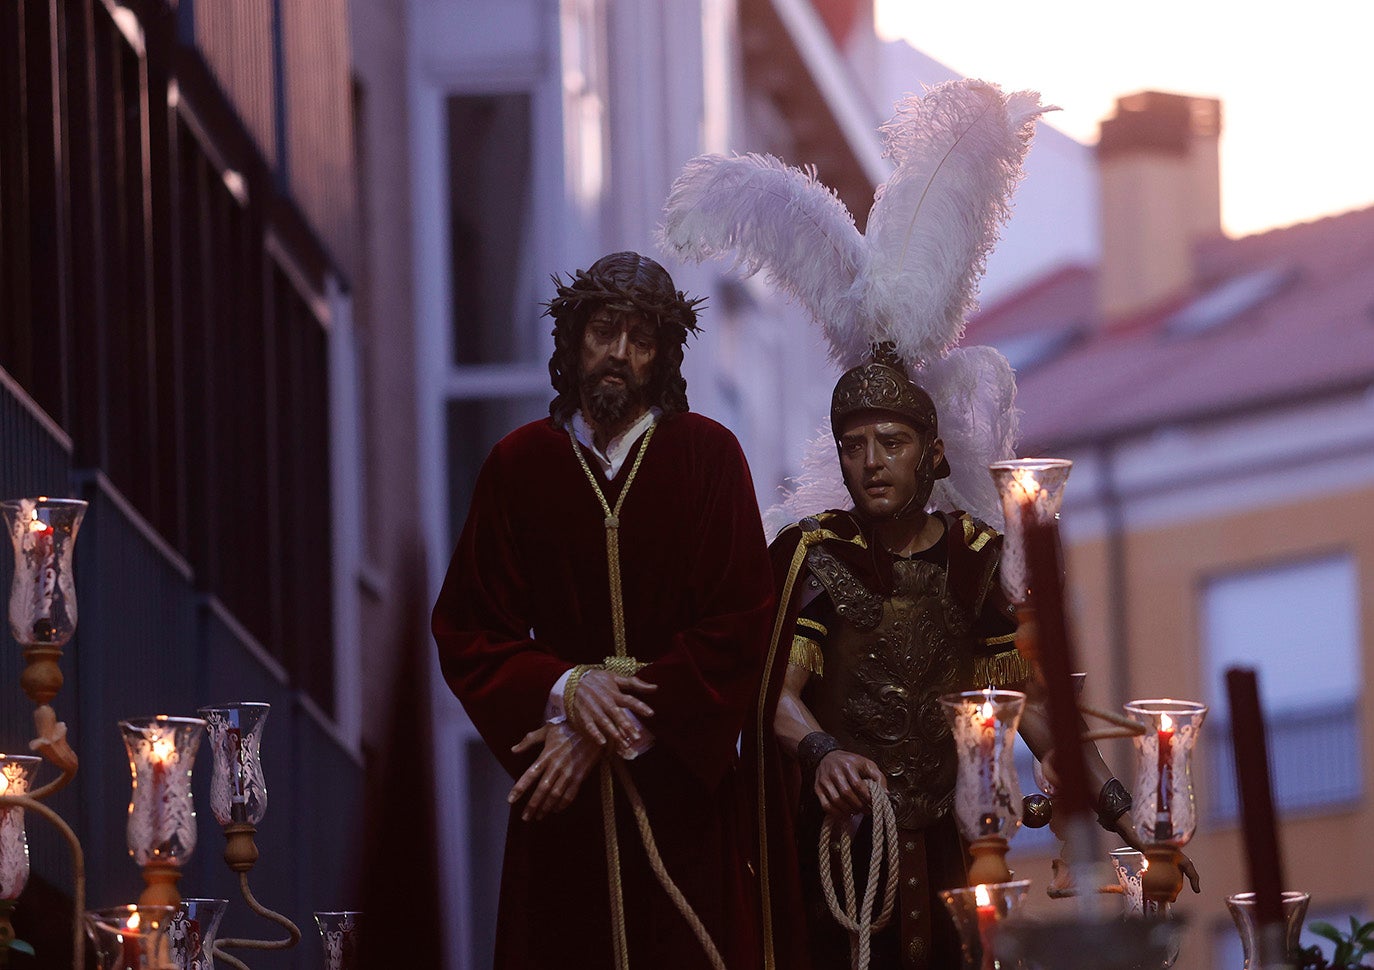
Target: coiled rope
861,922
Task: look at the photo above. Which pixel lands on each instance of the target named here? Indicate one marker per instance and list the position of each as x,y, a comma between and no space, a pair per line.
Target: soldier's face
886,464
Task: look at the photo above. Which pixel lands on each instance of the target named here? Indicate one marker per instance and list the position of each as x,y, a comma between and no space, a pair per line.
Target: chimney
1158,165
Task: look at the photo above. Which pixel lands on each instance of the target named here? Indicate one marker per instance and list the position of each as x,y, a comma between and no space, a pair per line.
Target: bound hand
599,705
842,780
557,774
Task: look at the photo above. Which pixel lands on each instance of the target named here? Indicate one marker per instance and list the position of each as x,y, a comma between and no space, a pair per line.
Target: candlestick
978,911
192,931
130,937
1248,740
1164,807
1252,936
987,795
162,817
1032,491
340,938
1057,664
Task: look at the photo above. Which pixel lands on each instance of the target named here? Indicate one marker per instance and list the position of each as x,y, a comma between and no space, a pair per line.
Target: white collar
618,448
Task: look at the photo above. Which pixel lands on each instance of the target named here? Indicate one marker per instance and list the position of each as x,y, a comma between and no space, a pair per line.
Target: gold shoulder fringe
1001,670
807,653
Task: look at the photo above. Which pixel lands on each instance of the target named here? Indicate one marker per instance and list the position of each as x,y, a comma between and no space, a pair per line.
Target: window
1298,625
490,175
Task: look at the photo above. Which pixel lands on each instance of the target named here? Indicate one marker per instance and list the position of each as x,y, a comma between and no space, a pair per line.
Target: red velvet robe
527,597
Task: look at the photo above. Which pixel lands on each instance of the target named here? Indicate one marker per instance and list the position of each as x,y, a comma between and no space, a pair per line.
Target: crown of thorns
584,287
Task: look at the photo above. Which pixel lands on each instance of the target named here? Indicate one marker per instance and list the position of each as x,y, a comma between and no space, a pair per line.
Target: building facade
176,192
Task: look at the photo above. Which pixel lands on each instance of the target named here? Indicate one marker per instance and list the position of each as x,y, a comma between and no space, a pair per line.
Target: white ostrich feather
775,218
974,390
959,150
818,487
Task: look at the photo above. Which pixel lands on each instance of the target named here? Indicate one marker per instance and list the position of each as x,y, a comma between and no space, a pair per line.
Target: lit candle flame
4,783
981,896
1027,482
163,749
986,711
1166,723
134,921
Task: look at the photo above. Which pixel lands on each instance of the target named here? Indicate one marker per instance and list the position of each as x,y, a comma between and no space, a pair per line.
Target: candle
162,752
1164,826
1256,797
1057,664
987,919
233,739
41,534
985,733
130,943
1028,485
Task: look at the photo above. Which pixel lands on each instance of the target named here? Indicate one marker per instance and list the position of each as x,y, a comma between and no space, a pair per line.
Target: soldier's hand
599,706
557,774
842,780
1186,866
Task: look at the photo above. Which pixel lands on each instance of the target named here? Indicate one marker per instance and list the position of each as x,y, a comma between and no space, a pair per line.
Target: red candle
987,919
47,571
1164,827
1256,796
160,753
131,944
1057,663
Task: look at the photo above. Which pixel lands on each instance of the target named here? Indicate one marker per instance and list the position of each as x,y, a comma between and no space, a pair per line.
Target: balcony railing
1314,761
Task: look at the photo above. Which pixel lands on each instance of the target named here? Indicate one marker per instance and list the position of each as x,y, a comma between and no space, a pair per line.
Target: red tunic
527,597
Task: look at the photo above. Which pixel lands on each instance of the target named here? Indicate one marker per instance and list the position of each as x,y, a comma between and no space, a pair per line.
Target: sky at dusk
1296,81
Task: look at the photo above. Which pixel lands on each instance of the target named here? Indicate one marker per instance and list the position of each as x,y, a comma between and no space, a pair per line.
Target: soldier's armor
888,661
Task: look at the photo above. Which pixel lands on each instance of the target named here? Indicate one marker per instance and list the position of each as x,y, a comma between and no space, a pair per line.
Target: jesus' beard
610,405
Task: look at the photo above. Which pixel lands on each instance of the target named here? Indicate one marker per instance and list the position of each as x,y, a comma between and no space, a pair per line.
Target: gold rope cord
622,954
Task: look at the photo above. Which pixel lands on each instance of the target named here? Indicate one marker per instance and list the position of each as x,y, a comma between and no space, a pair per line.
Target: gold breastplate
884,675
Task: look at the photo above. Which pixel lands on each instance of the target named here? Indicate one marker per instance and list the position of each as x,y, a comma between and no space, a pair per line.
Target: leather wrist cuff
813,748
1112,802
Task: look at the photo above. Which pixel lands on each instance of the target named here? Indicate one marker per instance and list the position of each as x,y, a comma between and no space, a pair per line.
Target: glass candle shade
340,939
987,796
191,933
1032,491
130,937
1130,865
17,773
43,595
1242,907
238,790
977,910
162,818
1164,808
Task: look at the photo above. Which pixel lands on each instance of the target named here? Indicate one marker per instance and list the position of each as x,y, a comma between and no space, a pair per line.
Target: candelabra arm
51,743
1123,727
231,960
31,804
293,932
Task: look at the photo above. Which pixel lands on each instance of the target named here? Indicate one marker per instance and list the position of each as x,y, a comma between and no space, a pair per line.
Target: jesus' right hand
557,774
